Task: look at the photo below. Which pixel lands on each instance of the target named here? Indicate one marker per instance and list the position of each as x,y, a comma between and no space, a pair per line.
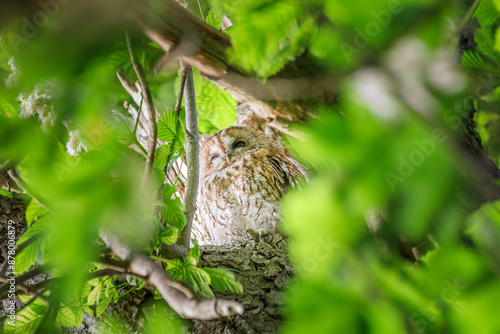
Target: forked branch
178,295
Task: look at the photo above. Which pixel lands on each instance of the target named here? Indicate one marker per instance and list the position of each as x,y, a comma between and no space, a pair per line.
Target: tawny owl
243,175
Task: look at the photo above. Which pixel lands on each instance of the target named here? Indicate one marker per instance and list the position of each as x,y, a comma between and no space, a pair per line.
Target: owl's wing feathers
286,172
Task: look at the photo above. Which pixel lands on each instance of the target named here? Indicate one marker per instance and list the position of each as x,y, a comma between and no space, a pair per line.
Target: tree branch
192,155
169,25
182,82
179,296
146,95
4,288
28,290
112,264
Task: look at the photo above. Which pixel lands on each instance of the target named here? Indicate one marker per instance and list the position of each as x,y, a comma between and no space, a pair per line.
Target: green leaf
34,211
487,14
175,265
205,126
109,288
88,310
171,130
485,40
497,43
6,193
214,18
172,211
103,305
169,235
223,280
29,255
213,103
162,155
70,314
93,295
7,108
195,252
197,277
188,272
189,261
28,319
86,292
267,34
199,280
475,60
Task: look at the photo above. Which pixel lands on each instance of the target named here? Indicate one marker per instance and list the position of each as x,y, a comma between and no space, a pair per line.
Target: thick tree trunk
263,267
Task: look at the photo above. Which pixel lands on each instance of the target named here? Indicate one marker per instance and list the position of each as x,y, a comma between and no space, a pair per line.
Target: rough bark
12,209
264,268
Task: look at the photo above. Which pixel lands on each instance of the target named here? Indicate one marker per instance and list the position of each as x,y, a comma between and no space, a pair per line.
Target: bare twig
180,297
182,82
34,289
28,290
45,284
4,288
146,94
116,265
192,155
114,273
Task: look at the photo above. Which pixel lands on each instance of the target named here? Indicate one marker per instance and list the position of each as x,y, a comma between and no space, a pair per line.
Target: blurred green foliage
380,237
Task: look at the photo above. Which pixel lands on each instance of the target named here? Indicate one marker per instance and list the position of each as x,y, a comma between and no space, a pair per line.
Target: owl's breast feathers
245,194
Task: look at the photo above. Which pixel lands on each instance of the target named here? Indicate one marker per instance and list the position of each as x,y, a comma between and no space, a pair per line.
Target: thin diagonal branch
178,295
4,288
192,154
146,94
116,265
28,290
180,94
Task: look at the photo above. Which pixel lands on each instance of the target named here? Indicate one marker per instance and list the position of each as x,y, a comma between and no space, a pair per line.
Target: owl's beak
228,159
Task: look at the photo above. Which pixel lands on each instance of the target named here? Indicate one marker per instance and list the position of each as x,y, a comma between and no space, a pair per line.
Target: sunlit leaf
223,280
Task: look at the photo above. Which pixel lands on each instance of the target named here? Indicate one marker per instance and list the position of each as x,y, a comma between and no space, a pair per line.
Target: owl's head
228,146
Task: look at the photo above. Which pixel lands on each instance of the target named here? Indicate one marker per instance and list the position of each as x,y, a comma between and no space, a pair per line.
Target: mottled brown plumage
243,175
